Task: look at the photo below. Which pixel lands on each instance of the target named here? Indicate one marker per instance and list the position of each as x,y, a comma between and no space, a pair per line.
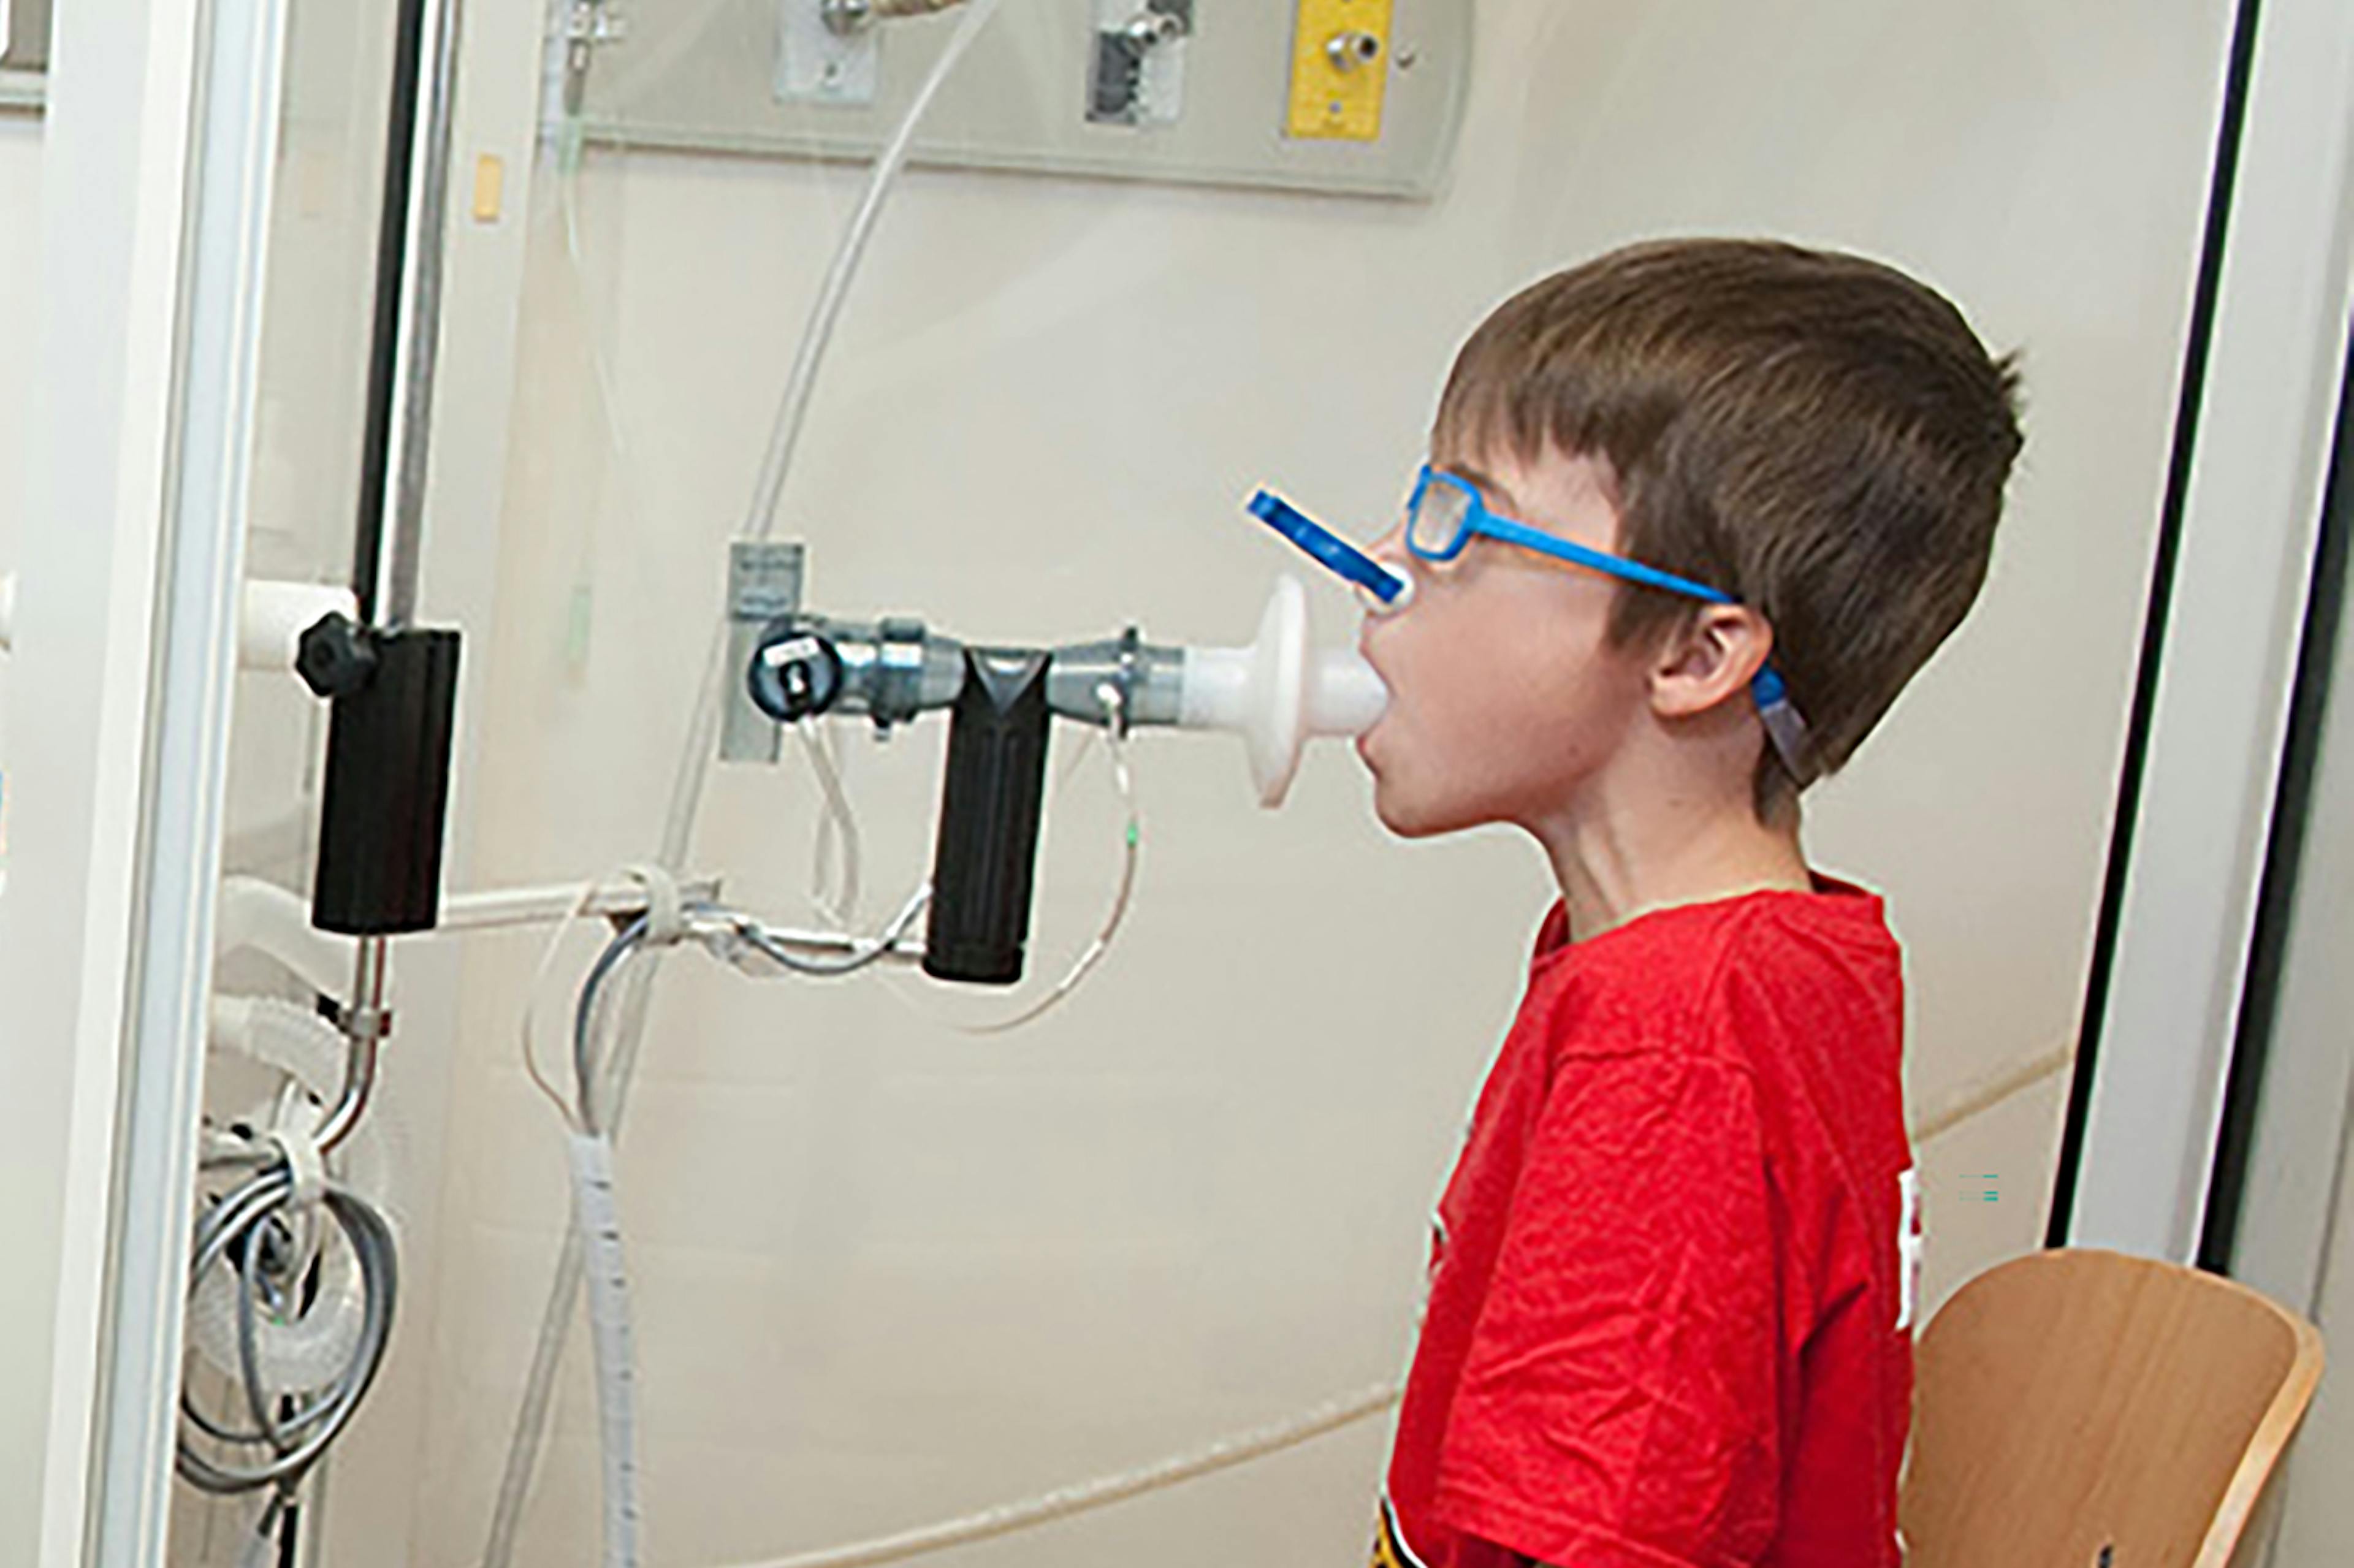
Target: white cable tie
306,1162
665,911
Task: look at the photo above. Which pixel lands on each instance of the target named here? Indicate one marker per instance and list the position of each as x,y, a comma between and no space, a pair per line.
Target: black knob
335,657
795,674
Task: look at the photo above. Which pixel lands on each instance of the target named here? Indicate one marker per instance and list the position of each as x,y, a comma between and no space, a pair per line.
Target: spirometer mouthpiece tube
1278,691
1275,693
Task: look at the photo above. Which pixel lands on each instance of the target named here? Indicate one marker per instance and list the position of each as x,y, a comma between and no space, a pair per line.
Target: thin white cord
546,966
837,830
792,412
1086,1495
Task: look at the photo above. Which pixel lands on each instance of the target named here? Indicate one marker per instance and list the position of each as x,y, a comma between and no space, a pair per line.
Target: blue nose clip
1329,550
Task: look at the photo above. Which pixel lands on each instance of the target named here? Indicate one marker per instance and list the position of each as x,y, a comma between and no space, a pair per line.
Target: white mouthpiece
1276,693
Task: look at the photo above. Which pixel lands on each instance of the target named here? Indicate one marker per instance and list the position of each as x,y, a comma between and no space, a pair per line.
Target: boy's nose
1390,551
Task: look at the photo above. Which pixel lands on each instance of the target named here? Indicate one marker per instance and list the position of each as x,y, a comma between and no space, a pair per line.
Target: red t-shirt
1670,1309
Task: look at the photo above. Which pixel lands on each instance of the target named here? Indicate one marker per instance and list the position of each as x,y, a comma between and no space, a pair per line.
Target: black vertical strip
2317,659
2161,593
391,283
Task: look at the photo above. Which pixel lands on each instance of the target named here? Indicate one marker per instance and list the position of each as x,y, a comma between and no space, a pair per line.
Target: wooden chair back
2076,1402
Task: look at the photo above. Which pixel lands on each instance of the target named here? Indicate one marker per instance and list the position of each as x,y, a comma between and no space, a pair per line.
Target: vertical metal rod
403,559
365,1025
391,286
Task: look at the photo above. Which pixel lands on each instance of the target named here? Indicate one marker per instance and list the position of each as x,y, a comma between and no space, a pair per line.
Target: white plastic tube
374,1160
264,917
278,613
598,1216
272,619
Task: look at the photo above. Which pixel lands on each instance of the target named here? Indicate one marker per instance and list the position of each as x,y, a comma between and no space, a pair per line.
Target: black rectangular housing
991,805
387,790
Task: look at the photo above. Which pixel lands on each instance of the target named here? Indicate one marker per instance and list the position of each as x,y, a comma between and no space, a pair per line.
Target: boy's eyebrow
1493,490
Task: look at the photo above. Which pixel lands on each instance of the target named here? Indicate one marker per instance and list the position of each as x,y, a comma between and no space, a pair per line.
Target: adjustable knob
795,674
335,656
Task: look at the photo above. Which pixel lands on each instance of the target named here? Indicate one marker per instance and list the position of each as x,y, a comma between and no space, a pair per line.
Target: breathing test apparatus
1275,693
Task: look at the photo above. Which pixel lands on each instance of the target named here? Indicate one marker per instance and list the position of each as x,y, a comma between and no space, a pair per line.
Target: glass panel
306,457
884,1271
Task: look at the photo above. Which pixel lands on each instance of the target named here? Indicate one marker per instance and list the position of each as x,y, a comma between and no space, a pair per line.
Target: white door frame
126,632
2149,1092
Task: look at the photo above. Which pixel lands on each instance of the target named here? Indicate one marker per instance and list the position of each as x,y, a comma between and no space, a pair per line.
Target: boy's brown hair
1818,435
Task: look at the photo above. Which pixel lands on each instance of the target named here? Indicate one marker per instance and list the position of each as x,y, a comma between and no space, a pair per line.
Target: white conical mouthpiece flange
1278,691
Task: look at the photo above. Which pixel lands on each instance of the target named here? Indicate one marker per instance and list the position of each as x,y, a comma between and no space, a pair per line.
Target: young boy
1673,1278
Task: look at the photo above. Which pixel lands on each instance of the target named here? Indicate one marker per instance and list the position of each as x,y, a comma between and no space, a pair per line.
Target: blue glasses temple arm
1619,567
1328,549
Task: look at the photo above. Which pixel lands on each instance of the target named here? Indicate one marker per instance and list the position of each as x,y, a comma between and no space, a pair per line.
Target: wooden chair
2077,1408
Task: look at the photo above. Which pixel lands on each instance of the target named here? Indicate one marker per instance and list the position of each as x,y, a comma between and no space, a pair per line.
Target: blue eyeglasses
1445,512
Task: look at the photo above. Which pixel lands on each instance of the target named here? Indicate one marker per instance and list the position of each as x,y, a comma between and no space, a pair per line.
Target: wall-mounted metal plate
764,582
1137,75
820,61
693,74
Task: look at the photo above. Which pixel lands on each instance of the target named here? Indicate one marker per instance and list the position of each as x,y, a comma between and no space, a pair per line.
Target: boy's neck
1629,852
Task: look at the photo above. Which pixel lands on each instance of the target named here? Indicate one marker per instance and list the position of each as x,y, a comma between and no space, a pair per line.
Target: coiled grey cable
253,1218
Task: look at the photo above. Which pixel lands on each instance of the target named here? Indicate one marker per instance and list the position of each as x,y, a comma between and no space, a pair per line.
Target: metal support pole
403,557
404,354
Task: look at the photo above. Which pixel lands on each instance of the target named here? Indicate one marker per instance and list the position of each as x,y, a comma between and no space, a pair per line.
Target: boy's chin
1410,816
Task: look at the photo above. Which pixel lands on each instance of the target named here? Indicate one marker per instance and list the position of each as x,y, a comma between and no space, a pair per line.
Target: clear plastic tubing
694,761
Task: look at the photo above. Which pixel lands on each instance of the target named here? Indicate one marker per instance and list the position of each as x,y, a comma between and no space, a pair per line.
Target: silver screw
845,18
1155,28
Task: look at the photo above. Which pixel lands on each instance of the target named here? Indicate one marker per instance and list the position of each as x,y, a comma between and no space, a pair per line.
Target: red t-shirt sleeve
1617,1406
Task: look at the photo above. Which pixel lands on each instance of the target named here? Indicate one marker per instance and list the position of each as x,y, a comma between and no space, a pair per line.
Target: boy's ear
1713,657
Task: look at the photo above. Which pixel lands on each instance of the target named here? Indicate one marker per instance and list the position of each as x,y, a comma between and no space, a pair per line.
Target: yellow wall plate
1339,64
